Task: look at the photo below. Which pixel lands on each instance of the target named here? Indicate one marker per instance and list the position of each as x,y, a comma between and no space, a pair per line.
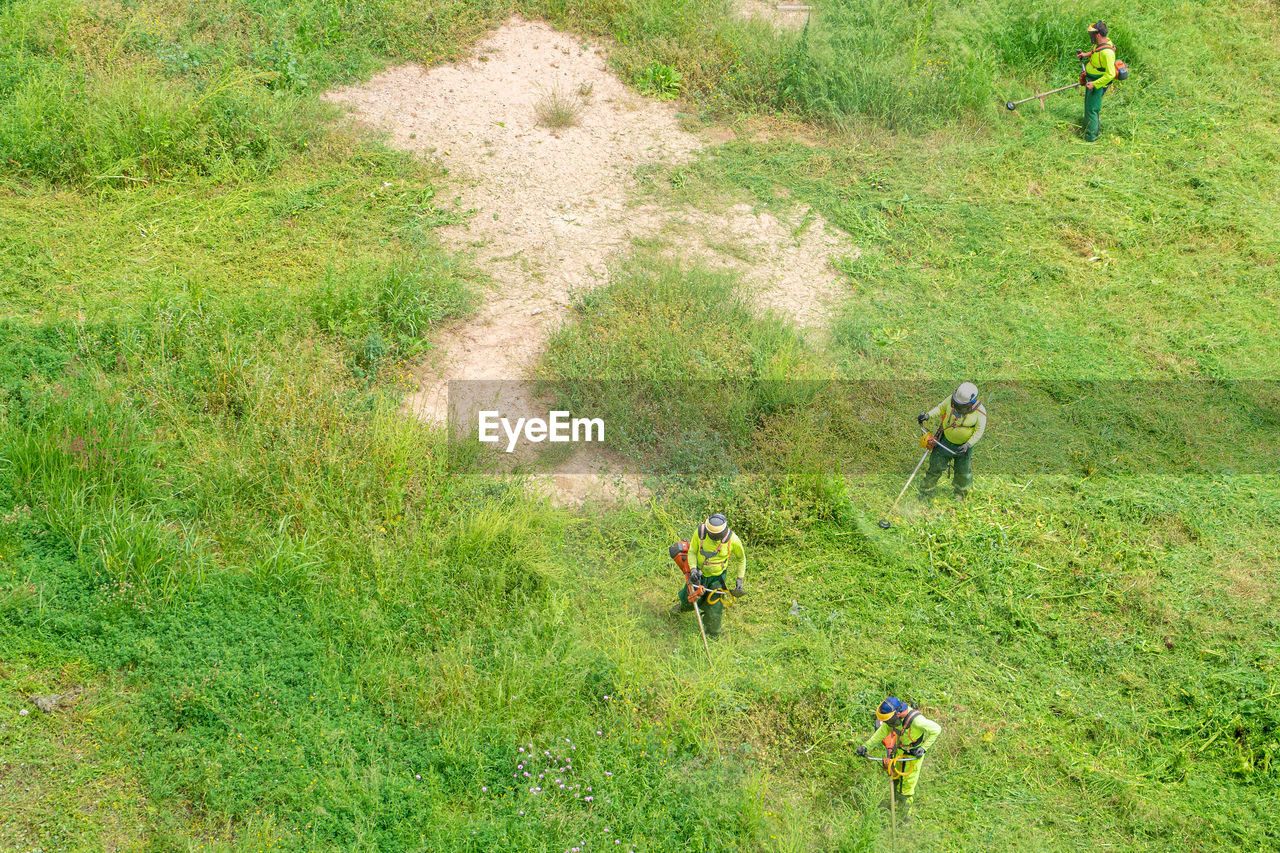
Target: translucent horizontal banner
699,427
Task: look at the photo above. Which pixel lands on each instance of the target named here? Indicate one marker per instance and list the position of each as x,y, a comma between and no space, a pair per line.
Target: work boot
904,809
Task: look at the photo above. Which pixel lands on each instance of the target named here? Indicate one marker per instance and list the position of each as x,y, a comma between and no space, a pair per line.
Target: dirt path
552,207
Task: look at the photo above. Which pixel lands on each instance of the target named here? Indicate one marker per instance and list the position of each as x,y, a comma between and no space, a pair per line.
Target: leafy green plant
285,63
660,80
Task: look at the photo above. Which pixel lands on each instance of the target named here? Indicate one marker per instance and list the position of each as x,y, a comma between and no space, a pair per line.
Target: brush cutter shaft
703,631
893,815
907,484
885,523
1039,95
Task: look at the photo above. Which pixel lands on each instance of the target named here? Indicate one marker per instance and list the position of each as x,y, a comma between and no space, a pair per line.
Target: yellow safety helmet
889,707
717,527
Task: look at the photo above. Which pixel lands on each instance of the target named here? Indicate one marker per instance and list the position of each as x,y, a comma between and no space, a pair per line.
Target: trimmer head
1010,105
884,524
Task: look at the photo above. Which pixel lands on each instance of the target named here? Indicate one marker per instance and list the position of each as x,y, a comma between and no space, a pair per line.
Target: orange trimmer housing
681,555
893,768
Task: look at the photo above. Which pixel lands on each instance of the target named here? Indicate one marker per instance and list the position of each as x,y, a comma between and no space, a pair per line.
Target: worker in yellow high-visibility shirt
913,735
1098,73
714,551
963,422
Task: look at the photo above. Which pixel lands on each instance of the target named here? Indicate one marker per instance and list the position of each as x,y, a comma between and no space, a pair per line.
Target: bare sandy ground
782,15
785,265
553,207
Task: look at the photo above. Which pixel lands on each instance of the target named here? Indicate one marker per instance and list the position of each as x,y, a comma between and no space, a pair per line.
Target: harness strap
906,724
727,541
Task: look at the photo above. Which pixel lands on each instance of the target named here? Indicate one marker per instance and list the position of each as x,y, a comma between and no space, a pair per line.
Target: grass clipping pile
546,142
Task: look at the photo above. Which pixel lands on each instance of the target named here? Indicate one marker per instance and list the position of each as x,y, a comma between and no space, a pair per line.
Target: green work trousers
711,603
907,784
1092,109
961,473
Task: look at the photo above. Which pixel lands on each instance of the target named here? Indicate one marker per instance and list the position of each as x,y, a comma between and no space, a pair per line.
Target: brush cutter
895,767
1040,96
1122,73
680,554
929,442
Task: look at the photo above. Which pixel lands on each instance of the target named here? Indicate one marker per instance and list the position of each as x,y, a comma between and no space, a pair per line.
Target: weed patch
558,109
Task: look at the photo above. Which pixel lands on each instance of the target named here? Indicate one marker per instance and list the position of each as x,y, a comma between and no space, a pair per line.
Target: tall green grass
77,126
113,94
674,359
416,627
907,66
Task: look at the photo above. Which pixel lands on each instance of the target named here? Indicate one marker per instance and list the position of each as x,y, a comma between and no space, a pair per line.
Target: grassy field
287,625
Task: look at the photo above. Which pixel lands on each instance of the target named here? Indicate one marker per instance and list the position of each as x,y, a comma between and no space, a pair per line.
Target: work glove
963,449
1084,81
922,417
695,577
916,751
862,752
738,591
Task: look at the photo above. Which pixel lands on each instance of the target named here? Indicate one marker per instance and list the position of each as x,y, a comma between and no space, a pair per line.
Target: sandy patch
551,207
790,15
611,485
787,265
